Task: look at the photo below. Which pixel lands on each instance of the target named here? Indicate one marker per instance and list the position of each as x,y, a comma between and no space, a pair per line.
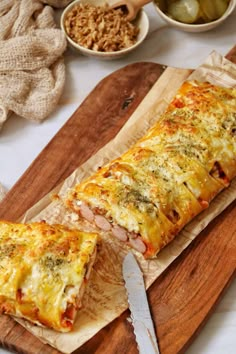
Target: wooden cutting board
184,296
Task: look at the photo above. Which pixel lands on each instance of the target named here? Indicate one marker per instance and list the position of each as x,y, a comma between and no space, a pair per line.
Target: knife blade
139,308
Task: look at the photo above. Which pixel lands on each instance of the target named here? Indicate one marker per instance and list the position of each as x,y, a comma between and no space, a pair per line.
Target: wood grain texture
93,124
98,119
184,296
232,55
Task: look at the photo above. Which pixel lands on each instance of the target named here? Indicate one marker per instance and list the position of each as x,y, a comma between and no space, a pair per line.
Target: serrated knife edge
138,304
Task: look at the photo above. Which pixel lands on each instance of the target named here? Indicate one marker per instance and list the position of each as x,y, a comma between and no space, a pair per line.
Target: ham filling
218,173
68,316
119,232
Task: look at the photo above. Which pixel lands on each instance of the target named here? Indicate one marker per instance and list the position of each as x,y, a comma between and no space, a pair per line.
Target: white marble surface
21,141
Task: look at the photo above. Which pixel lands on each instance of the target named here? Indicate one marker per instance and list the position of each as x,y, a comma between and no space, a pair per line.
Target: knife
139,308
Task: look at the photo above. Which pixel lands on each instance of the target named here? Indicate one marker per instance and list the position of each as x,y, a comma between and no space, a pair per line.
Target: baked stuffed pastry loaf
43,272
147,195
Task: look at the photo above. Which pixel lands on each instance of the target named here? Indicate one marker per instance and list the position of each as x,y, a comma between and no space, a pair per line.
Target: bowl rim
229,10
142,14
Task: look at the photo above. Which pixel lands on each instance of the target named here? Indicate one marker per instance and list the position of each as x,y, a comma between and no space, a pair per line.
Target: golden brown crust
42,270
171,174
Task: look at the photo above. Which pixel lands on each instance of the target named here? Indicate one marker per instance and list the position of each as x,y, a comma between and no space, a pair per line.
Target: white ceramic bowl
141,21
196,27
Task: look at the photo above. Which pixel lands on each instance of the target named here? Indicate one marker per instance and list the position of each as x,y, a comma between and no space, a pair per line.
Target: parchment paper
3,192
105,297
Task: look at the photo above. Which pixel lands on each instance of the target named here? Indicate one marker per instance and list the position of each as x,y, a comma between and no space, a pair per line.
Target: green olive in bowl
194,15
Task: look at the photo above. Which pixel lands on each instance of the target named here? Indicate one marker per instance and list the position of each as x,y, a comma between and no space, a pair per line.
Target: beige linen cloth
32,70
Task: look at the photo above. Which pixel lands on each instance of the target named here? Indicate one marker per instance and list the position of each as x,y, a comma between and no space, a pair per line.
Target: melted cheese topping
43,268
173,172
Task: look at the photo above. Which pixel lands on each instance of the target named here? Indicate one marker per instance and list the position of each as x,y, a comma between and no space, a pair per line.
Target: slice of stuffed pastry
44,270
147,195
